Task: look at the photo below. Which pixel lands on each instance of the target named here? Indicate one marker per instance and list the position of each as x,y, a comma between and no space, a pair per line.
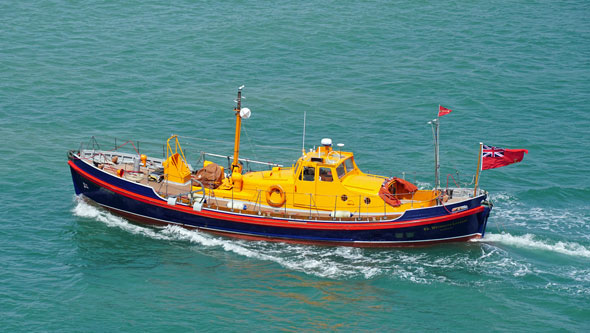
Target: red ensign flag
443,111
494,157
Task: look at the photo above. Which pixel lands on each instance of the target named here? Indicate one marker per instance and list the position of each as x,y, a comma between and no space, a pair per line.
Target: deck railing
311,209
315,206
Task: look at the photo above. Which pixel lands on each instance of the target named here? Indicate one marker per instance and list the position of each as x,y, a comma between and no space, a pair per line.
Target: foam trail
83,209
529,241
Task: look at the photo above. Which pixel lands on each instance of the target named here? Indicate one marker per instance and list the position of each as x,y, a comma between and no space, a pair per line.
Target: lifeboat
323,198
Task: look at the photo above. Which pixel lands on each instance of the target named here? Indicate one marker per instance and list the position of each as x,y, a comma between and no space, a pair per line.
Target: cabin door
305,187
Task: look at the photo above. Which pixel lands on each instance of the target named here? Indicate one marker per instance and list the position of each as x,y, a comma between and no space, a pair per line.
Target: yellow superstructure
322,180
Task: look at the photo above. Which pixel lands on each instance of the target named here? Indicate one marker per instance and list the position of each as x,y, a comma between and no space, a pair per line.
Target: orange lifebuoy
275,189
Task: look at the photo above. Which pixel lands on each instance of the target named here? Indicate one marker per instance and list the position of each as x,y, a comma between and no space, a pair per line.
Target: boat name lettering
446,226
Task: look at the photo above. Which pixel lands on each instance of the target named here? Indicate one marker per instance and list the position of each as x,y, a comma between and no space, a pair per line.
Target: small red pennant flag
443,111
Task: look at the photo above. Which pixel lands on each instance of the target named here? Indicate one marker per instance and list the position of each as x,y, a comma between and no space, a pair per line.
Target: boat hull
141,204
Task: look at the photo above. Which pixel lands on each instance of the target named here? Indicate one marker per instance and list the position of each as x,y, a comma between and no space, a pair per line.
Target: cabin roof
331,158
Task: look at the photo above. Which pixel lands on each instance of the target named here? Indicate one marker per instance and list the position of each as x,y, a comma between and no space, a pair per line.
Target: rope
250,142
445,207
459,186
128,141
135,148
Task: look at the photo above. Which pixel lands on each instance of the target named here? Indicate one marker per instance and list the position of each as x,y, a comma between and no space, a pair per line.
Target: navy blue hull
141,204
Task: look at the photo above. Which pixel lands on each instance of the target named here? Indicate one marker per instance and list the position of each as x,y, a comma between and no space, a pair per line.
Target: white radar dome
245,113
327,142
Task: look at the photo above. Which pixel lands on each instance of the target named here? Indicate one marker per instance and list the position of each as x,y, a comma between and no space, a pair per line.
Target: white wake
532,242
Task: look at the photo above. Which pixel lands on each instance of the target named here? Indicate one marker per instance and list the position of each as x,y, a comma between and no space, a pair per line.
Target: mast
435,134
437,158
236,164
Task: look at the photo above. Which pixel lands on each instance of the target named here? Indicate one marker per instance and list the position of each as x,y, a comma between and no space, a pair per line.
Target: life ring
278,189
388,191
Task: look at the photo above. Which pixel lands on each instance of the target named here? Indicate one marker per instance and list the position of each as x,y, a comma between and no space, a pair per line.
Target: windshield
349,165
344,168
340,170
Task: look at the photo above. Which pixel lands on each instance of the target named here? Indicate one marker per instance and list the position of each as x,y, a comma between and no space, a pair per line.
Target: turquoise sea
369,74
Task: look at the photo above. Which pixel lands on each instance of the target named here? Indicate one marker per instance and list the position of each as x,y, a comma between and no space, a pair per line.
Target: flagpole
478,169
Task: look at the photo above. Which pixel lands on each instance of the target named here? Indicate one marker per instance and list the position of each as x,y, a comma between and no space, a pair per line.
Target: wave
530,241
502,197
557,194
541,219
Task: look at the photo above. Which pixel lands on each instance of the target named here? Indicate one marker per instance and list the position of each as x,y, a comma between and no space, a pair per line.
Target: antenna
340,145
303,144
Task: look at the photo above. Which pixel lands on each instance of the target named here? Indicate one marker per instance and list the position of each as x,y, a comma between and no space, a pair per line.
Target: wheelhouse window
349,165
340,171
326,175
308,174
345,167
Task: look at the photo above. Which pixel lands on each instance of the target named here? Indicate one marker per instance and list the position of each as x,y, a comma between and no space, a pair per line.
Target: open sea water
368,74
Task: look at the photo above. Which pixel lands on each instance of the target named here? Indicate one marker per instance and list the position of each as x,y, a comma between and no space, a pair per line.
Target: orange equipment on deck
175,167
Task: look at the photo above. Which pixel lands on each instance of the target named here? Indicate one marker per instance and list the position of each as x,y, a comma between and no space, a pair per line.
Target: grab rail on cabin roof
247,160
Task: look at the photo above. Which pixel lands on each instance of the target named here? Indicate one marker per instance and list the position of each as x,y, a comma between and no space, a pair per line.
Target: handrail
359,210
93,144
376,176
242,159
314,210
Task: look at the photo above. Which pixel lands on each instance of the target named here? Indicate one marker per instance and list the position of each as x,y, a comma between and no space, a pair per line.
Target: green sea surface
368,74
